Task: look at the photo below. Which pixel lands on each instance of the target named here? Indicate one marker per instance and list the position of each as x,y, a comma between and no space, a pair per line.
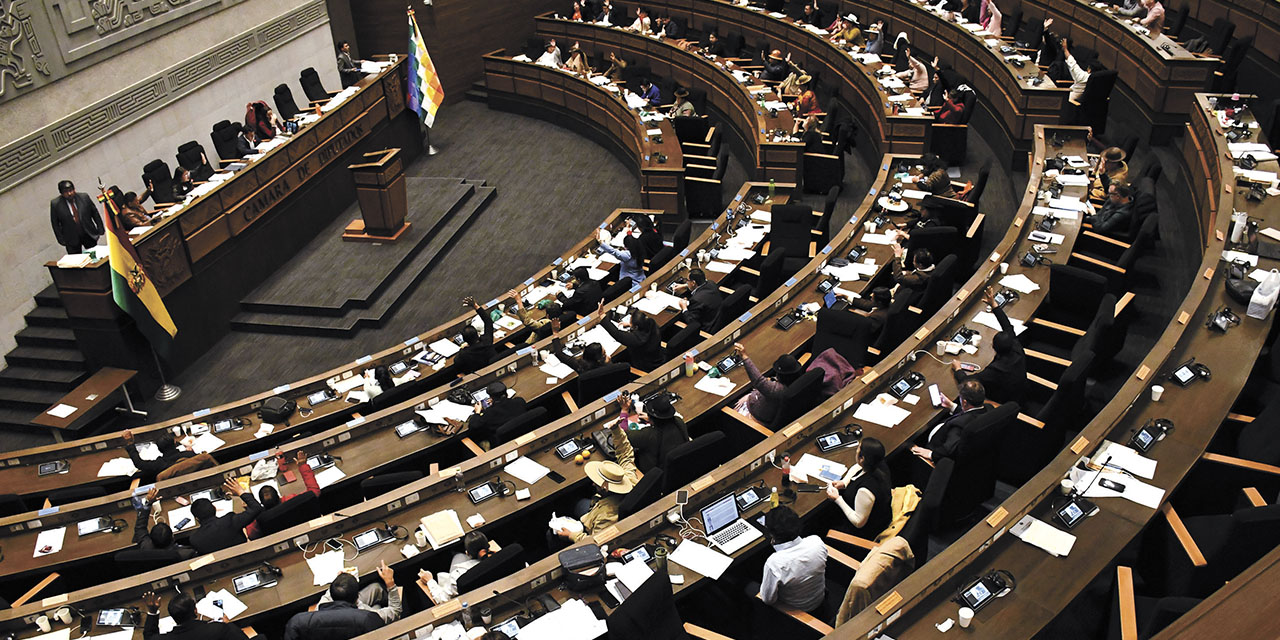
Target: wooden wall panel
458,33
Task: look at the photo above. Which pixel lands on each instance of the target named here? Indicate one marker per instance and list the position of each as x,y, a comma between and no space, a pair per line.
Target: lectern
381,192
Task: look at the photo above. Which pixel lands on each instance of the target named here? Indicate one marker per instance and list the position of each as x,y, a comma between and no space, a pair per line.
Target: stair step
38,336
11,417
48,317
29,398
49,297
41,378
54,357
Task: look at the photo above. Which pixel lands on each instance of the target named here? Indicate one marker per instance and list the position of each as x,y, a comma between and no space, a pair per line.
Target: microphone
524,611
1101,468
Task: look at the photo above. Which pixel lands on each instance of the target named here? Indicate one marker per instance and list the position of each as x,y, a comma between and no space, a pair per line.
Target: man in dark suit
877,307
917,278
943,439
704,300
478,352
75,219
226,531
585,296
1005,378
170,454
246,142
484,424
349,611
348,68
183,611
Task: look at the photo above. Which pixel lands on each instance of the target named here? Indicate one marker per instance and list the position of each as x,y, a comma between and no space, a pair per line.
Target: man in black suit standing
348,68
75,219
219,532
943,440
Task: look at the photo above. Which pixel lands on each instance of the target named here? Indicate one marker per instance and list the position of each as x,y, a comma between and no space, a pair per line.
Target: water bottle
689,367
773,187
773,498
467,622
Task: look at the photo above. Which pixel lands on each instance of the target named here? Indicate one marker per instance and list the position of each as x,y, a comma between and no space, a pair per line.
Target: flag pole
167,392
431,151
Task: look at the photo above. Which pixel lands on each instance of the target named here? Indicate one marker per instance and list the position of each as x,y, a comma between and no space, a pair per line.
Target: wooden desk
776,157
558,95
94,397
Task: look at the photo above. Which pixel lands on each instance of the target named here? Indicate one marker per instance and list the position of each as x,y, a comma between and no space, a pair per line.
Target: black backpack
276,409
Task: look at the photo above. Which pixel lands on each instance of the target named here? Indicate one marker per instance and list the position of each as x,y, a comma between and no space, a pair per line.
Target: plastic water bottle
689,367
773,498
773,187
467,622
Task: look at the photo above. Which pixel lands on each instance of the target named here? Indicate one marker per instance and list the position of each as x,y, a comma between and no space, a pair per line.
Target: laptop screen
720,514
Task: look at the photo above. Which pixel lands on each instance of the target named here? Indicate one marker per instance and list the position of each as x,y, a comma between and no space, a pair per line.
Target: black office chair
848,333
1067,403
74,494
159,180
733,43
940,287
973,480
1012,22
690,460
691,128
594,384
734,305
1120,274
899,324
772,273
191,157
286,106
1152,614
803,394
494,567
792,229
613,291
223,136
519,425
828,211
645,493
974,196
649,613
11,504
684,339
311,85
680,237
1230,543
1176,21
703,197
951,141
1129,144
698,97
1074,296
658,260
1025,449
924,520
1258,440
1095,102
132,562
294,511
378,485
1224,79
821,172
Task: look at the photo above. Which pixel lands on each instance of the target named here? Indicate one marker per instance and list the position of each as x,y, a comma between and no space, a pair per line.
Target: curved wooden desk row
512,85
797,439
1045,585
365,444
1259,19
777,160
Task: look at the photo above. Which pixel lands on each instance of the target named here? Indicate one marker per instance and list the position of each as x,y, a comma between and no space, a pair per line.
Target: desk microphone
524,611
1102,467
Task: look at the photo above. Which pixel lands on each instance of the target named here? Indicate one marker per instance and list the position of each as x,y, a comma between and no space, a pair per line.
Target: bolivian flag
134,292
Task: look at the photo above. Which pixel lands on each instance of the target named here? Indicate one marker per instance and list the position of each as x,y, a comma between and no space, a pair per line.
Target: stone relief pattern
26,157
17,35
112,15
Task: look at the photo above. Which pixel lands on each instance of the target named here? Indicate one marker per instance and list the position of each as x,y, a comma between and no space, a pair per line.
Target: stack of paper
329,476
600,335
556,369
347,384
884,415
445,410
117,467
49,541
326,566
1020,283
445,347
821,469
1135,490
442,527
572,621
718,386
1127,458
206,442
1056,542
526,470
988,319
61,410
700,558
218,603
719,267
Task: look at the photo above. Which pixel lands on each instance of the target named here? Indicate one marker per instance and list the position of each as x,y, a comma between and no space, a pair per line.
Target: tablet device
728,363
371,538
829,441
1143,439
567,449
1002,298
510,627
50,468
115,618
320,397
222,426
1070,514
208,494
248,582
1184,375
829,299
977,595
88,527
643,553
482,492
406,428
901,388
751,497
320,461
398,368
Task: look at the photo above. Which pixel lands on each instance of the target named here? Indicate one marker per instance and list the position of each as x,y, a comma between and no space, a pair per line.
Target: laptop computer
726,529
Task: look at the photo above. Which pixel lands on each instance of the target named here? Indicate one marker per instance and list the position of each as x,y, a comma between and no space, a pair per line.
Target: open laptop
725,527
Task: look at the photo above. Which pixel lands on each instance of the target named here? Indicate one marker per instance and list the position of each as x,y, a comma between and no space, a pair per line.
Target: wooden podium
381,193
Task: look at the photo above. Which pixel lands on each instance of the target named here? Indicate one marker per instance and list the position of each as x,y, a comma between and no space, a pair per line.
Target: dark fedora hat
660,408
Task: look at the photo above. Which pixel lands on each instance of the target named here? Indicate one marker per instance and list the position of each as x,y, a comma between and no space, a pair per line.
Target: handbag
1239,286
1264,296
276,409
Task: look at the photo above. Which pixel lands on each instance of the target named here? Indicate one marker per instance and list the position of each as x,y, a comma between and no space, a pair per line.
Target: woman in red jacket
952,111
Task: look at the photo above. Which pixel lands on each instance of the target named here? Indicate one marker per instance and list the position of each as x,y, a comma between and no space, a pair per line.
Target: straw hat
775,54
803,79
851,18
611,475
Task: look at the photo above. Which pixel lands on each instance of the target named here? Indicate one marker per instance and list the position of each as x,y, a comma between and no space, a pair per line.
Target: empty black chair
645,493
223,136
821,172
828,210
690,460
1151,614
803,394
1230,543
791,228
684,340
680,237
899,323
132,562
1176,21
74,494
378,485
191,157
1095,102
848,333
616,289
1067,403
294,511
11,504
518,426
703,197
691,128
159,181
924,520
1074,295
286,106
1011,23
973,480
974,196
698,97
772,273
1025,449
1257,440
499,565
733,43
664,255
594,384
311,85
647,614
1225,80
734,305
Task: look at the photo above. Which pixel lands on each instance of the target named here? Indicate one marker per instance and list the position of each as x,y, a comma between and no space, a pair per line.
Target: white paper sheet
122,634
1135,490
600,335
881,414
206,443
1020,283
734,254
61,410
343,386
1035,532
556,369
1240,256
820,469
231,606
1069,204
718,386
878,238
572,621
720,267
1061,214
178,514
1072,179
1127,458
445,347
633,574
117,467
988,319
329,476
526,470
701,558
60,634
325,566
51,538
167,624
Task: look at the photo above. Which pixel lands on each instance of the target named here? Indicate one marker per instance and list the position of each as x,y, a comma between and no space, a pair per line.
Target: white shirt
796,574
1079,78
641,25
549,59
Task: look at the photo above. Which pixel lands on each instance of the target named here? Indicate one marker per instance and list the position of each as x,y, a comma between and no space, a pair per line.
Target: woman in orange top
807,103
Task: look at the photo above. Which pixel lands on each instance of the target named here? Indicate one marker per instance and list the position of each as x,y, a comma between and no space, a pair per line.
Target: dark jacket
774,69
152,468
877,482
474,357
244,147
1112,217
142,538
64,224
704,305
945,443
1005,378
586,297
194,630
482,426
332,621
654,444
644,354
226,531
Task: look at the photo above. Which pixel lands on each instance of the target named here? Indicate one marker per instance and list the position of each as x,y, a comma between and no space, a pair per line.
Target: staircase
44,366
478,92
